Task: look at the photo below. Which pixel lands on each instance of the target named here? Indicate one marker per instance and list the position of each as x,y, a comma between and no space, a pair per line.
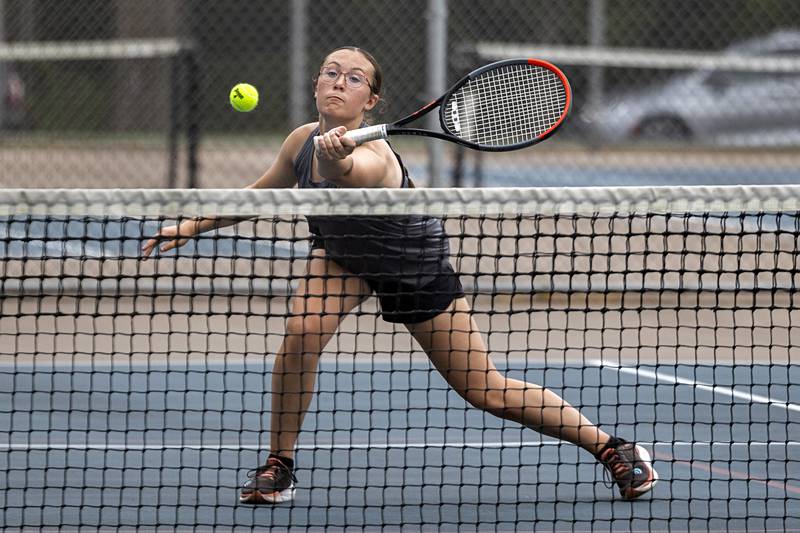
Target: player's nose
340,81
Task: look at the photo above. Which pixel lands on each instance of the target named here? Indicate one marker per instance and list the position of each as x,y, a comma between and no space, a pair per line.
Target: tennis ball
244,97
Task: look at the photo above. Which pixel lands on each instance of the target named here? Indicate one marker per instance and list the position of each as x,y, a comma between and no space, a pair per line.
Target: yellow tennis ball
244,97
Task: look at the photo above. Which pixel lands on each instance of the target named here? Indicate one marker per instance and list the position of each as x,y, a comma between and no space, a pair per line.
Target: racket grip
370,133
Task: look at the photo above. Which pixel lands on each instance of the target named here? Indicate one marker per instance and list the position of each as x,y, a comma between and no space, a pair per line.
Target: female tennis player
405,263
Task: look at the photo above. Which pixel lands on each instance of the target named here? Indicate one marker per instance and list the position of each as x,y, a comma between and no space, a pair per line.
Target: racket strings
530,105
525,105
509,105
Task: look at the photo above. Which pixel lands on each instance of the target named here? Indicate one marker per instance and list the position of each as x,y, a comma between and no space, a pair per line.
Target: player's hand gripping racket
506,105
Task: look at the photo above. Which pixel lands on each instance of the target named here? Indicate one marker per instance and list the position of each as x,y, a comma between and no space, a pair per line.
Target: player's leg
457,349
321,302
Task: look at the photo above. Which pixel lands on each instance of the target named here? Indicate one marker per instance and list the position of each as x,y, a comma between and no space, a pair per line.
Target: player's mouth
335,98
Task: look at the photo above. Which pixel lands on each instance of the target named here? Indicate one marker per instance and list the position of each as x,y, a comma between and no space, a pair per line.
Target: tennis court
138,393
171,447
643,264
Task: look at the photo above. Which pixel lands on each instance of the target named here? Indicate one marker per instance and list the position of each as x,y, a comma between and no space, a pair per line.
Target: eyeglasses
354,80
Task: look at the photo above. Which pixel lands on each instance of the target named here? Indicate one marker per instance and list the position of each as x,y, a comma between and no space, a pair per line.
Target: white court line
219,362
360,446
714,389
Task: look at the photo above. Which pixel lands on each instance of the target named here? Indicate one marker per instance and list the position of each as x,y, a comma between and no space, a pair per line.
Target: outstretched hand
170,237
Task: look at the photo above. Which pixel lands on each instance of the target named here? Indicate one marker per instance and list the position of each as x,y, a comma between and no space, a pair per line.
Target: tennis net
137,394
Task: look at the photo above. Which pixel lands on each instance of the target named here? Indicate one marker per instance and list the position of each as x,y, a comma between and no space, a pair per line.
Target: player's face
343,87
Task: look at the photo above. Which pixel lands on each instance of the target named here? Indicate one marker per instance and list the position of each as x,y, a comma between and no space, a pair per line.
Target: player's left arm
340,161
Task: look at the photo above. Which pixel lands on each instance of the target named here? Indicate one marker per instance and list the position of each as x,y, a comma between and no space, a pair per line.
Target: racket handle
370,133
362,135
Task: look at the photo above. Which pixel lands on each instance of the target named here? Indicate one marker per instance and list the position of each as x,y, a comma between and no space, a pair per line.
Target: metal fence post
298,93
3,67
597,39
436,81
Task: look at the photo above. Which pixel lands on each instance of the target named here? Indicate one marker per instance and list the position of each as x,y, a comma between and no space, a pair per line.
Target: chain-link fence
133,119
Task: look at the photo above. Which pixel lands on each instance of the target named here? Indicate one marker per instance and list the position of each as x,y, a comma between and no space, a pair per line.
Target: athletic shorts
408,303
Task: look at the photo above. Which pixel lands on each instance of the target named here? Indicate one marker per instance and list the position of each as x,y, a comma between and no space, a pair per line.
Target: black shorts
408,303
411,304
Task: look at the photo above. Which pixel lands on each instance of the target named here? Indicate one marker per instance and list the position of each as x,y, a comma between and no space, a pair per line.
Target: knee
305,325
306,332
296,325
491,399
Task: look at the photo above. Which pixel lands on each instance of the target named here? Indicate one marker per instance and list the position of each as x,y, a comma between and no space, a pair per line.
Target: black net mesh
139,394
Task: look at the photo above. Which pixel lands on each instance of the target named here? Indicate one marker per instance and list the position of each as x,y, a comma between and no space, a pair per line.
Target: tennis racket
503,106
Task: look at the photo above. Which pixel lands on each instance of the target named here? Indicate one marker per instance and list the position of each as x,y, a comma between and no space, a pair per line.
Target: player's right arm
280,174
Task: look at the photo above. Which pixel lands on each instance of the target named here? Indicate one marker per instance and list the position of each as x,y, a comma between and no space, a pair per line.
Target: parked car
712,106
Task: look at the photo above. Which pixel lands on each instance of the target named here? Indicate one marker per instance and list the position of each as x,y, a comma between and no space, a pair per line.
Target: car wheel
663,129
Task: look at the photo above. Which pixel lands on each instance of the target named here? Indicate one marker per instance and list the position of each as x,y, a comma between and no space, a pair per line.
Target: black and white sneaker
630,467
270,483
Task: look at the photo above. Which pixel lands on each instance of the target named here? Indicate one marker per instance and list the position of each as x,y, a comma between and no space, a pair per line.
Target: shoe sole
258,498
634,492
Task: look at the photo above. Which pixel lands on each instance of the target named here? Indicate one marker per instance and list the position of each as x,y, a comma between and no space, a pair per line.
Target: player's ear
372,102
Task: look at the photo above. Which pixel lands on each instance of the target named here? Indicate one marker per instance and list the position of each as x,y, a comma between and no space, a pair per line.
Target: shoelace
614,465
270,470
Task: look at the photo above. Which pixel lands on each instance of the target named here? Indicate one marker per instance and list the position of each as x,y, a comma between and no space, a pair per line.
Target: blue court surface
387,447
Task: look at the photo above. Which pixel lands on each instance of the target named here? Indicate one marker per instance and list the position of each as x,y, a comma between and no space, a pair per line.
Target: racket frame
382,131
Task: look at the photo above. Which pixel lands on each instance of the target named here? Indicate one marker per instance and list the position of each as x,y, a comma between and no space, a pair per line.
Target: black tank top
410,249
